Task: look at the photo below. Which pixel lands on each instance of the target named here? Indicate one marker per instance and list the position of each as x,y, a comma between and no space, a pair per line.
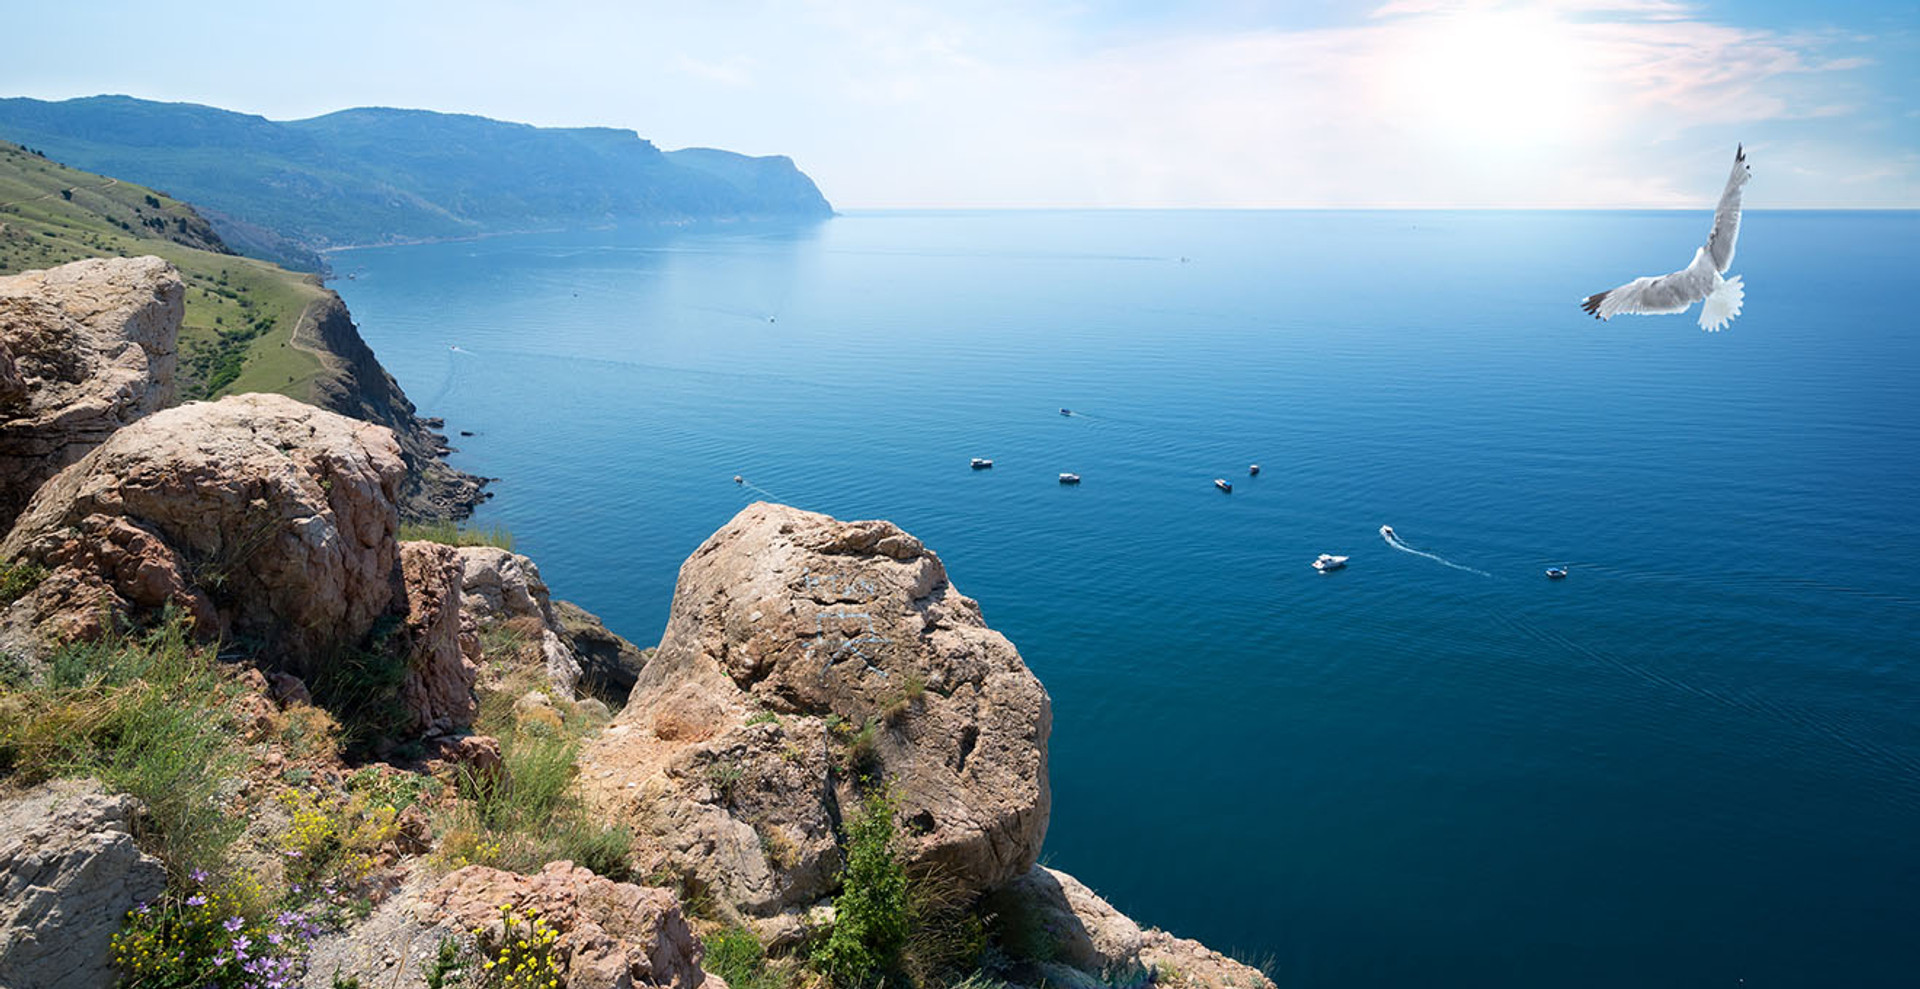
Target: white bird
1702,279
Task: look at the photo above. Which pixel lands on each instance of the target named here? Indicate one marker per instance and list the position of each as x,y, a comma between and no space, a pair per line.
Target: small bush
213,936
454,534
524,957
19,577
148,716
736,956
871,913
360,687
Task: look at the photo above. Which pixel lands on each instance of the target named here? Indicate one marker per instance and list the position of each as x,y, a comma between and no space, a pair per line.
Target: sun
1499,80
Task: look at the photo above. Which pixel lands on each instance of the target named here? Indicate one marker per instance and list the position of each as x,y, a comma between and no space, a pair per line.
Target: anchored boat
1069,479
1221,483
1328,563
982,464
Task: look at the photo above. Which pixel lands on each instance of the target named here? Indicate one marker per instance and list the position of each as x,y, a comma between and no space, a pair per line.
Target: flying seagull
1700,280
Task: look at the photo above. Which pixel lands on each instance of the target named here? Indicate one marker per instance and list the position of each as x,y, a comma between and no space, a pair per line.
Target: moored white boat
980,463
1327,563
1221,483
1069,478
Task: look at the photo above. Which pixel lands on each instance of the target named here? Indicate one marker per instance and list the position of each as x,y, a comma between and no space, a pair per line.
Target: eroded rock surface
1090,944
276,516
442,645
85,349
803,652
609,664
611,935
69,872
501,586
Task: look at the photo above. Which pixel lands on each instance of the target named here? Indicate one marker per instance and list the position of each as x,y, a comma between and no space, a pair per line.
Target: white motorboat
1069,479
982,464
1221,483
1387,531
1557,573
1253,470
1327,563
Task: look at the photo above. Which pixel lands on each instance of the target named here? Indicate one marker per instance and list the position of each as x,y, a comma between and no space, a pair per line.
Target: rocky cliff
812,671
355,384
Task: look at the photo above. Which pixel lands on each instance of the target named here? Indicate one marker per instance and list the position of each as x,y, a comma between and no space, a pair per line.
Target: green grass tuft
454,534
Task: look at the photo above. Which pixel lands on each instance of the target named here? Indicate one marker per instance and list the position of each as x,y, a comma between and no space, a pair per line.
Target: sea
1695,761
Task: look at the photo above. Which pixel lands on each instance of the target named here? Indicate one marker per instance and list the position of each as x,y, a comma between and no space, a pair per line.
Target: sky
1095,103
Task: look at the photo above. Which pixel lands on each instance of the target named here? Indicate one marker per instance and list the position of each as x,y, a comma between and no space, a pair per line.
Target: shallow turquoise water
1694,761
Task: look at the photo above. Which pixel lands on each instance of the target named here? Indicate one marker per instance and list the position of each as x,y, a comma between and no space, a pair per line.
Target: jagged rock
478,755
85,349
438,690
787,619
611,935
609,664
499,585
281,514
1089,943
69,872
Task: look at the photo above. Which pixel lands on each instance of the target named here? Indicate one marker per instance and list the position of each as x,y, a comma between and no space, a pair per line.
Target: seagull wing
1669,293
1726,216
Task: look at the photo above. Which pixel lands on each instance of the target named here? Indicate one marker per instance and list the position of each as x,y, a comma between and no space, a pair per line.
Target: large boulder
270,517
85,349
69,872
500,587
806,658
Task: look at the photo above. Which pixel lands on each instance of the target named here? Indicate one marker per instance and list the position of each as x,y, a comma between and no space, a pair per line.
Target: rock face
441,670
498,585
356,385
609,664
69,872
274,515
85,349
785,623
1087,937
611,935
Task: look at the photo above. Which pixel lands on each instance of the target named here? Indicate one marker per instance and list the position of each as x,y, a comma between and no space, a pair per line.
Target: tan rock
281,514
611,935
609,664
441,669
499,585
793,620
85,349
69,872
1090,942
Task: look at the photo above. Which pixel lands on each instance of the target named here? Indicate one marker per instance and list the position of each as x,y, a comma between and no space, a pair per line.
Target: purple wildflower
196,900
241,944
198,875
293,853
140,908
233,924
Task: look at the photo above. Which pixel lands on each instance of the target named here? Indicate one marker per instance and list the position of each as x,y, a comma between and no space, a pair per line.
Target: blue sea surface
1693,762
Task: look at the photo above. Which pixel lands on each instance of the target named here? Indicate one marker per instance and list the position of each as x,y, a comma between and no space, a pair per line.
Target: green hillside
284,190
240,314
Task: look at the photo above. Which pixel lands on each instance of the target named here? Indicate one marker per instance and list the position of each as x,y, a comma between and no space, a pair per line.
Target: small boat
1066,412
1387,531
1069,479
737,479
1221,483
1557,573
1327,563
980,464
1253,470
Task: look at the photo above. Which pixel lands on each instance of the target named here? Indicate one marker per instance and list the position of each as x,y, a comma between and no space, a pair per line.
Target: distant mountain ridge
285,190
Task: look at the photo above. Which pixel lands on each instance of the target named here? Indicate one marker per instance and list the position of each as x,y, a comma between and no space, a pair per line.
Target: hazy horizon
1105,103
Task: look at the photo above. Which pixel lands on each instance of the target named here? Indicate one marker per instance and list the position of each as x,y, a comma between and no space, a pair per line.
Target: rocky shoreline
385,707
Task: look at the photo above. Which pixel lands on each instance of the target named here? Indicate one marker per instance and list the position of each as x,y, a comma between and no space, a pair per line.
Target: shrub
147,714
218,936
524,957
870,914
736,956
19,577
454,534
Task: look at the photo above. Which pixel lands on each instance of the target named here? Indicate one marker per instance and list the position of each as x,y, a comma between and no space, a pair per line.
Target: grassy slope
227,297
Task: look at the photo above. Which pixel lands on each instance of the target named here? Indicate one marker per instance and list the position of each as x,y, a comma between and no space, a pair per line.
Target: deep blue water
1694,761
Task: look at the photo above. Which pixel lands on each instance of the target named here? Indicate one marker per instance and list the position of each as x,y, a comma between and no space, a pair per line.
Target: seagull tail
1722,304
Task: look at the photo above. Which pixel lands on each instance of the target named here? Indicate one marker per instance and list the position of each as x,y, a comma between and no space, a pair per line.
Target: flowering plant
215,936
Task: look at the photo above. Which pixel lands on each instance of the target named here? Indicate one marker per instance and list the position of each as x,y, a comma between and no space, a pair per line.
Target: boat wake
1386,533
